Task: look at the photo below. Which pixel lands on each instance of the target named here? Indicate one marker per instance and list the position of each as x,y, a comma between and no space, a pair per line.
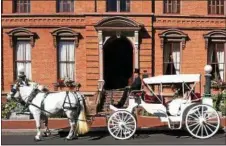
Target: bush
7,109
220,102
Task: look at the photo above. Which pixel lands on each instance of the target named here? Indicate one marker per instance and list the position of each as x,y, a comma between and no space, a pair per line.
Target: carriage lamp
207,95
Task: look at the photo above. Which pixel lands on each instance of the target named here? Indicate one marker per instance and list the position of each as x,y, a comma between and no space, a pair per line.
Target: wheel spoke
209,128
121,132
202,130
195,127
129,119
114,121
118,117
125,117
122,117
130,122
199,113
115,126
193,124
205,129
115,130
129,128
211,117
211,125
193,117
202,111
118,132
198,130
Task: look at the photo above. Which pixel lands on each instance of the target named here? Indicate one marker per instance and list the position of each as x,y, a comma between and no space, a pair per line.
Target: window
172,42
66,59
65,41
65,6
171,57
118,5
22,41
216,58
216,7
23,57
22,6
171,6
215,43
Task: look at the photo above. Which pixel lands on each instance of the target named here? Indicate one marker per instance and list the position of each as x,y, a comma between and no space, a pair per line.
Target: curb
92,130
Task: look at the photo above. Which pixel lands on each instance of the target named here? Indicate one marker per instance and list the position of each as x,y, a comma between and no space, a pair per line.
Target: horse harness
42,108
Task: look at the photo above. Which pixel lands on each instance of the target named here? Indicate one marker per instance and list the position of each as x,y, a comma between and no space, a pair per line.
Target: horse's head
21,92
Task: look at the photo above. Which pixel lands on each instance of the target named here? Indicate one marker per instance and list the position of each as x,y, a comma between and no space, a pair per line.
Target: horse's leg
70,116
47,131
37,118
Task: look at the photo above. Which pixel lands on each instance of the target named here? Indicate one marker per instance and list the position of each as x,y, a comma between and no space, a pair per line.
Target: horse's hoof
46,134
37,139
69,139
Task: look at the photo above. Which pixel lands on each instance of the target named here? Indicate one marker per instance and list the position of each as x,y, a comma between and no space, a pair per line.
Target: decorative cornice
215,35
80,15
191,16
173,34
117,22
186,28
24,21
191,22
65,33
21,32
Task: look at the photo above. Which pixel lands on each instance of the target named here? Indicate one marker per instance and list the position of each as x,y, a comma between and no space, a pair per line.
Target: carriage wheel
202,121
122,125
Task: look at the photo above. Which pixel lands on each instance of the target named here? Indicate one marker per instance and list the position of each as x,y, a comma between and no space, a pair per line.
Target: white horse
43,105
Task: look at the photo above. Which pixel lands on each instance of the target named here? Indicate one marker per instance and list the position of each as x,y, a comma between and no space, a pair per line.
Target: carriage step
174,125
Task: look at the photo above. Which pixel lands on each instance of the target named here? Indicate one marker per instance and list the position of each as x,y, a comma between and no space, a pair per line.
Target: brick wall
44,68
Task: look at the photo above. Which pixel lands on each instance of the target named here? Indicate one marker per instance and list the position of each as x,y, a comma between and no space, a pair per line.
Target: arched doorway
118,62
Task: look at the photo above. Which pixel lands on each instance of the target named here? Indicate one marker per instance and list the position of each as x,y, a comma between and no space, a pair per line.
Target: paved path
103,138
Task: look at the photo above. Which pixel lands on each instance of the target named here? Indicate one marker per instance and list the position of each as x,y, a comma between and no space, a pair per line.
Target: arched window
66,41
22,41
216,57
172,42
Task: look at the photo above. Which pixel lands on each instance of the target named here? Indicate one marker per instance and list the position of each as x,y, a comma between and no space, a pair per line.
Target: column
100,45
136,51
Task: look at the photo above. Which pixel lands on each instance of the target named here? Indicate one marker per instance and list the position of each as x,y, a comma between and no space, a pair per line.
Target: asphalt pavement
144,137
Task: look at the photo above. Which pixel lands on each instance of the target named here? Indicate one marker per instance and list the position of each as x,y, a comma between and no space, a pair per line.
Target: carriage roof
164,79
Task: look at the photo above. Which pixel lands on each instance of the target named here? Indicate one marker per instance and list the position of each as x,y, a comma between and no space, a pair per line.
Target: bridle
14,90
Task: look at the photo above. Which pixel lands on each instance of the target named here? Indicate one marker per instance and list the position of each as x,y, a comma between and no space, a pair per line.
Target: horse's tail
82,126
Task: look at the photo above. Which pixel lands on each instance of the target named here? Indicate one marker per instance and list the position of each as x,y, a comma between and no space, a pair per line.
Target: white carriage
189,111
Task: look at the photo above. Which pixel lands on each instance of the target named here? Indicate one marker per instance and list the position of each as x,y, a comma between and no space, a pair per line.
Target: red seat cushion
196,96
150,99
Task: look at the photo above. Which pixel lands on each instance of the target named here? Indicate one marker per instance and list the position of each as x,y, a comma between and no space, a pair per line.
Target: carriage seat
196,98
151,98
148,98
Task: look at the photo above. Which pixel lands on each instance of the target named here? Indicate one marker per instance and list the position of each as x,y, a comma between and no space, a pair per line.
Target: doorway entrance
118,62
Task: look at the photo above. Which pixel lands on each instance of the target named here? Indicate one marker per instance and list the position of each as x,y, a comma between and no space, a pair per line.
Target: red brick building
95,40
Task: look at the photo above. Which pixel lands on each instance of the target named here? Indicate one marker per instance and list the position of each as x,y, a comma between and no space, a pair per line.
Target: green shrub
220,102
7,109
